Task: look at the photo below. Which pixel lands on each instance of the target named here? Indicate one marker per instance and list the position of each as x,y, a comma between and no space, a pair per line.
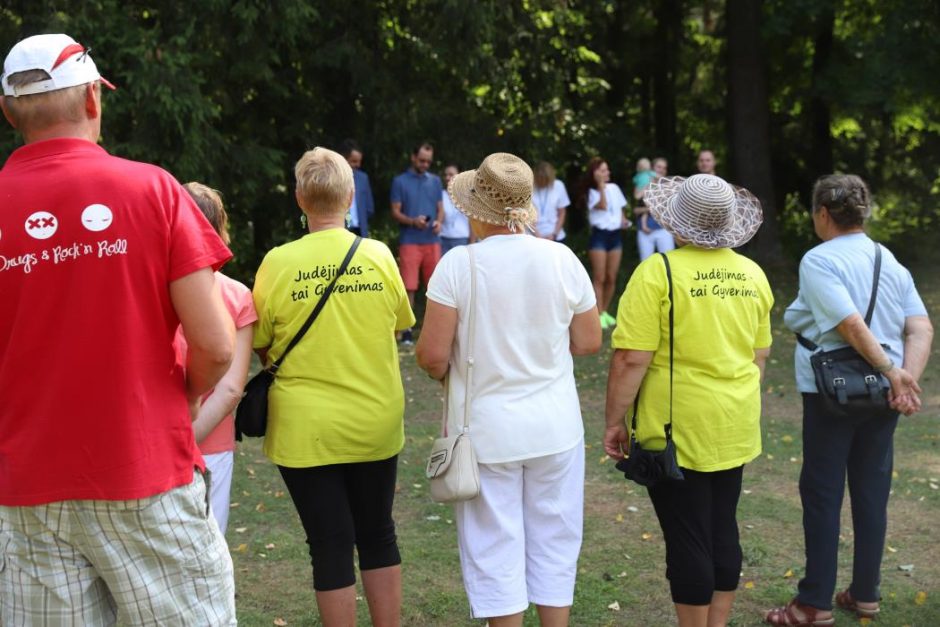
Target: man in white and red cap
103,513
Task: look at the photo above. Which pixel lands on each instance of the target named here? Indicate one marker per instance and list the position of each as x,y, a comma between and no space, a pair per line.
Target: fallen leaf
787,439
278,494
647,536
233,505
632,509
619,518
864,620
622,574
604,459
269,546
262,554
415,485
891,549
748,526
895,475
793,460
749,585
241,548
920,598
746,491
906,568
614,606
280,622
241,529
246,493
788,574
432,518
769,456
251,471
260,507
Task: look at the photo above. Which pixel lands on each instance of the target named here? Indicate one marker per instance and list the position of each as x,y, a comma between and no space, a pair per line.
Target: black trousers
698,517
342,506
862,449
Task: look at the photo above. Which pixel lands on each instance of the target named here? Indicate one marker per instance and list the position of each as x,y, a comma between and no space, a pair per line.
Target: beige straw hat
704,210
498,192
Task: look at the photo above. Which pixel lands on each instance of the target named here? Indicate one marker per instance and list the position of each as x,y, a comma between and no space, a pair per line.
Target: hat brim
745,219
468,203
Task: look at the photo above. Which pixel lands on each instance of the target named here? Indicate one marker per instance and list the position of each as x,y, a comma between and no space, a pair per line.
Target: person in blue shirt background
417,207
362,206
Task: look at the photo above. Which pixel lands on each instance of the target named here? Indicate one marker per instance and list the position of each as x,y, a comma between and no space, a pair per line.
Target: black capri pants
698,517
342,506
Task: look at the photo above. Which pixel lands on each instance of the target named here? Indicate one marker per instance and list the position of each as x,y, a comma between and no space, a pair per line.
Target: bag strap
318,308
470,336
812,346
671,342
636,401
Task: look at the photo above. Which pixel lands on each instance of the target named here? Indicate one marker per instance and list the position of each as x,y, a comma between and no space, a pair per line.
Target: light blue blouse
835,282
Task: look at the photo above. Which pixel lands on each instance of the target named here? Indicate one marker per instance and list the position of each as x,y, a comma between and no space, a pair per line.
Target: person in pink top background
213,417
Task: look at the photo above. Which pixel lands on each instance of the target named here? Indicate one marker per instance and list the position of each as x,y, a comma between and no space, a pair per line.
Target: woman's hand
905,392
617,441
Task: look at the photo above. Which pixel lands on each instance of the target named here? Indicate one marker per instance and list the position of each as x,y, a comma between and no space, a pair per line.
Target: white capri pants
659,240
220,470
520,539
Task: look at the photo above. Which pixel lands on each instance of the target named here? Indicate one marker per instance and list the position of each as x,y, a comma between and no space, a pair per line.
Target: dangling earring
303,220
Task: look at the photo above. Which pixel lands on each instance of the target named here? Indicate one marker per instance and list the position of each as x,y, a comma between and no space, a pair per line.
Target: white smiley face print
96,217
41,225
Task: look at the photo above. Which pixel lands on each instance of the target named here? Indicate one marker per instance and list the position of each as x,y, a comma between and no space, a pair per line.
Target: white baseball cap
65,60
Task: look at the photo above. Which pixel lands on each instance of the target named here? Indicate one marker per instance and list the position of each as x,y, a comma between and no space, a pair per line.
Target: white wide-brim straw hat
704,210
498,192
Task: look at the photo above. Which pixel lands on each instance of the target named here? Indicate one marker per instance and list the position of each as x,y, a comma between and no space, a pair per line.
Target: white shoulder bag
452,466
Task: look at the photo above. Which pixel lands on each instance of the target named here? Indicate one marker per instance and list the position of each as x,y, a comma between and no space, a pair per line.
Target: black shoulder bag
643,466
846,382
251,417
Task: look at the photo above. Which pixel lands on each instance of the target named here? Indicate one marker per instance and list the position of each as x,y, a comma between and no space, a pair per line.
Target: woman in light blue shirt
835,285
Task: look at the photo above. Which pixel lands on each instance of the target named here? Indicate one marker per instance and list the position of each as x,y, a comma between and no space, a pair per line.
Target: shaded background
232,92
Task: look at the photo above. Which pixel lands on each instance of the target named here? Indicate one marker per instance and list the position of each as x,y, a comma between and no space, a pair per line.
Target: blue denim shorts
602,239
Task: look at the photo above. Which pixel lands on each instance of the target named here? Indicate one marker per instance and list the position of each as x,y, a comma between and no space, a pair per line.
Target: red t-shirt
241,306
92,400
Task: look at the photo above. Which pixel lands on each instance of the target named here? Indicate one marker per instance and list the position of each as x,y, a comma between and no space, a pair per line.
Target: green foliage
231,92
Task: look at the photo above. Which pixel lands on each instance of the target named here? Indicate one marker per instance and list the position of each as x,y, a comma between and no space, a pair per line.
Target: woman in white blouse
605,203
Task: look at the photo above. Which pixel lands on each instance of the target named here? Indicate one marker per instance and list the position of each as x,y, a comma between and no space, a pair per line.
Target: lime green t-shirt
722,313
338,396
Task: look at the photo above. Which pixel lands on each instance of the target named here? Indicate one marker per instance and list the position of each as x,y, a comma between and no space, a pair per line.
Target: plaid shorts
160,560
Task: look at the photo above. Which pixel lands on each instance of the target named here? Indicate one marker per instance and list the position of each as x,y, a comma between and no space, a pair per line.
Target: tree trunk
668,14
821,155
750,120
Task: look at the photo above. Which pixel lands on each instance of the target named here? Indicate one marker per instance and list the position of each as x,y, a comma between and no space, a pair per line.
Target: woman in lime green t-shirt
336,405
706,382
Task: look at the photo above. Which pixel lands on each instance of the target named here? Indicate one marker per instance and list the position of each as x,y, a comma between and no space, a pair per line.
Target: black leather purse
251,417
847,384
643,466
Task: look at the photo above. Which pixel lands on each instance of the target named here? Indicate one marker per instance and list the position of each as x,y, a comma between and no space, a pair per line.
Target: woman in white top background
551,199
605,203
455,231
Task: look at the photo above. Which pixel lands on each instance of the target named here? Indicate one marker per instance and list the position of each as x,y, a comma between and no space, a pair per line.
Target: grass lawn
621,571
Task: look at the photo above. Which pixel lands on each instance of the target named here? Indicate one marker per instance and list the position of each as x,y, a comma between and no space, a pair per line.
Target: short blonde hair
37,111
210,203
324,181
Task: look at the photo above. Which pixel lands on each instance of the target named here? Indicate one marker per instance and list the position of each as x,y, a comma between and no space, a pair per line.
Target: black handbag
251,416
644,466
847,384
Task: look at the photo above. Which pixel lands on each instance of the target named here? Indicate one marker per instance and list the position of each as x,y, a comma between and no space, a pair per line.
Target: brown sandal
784,616
846,601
